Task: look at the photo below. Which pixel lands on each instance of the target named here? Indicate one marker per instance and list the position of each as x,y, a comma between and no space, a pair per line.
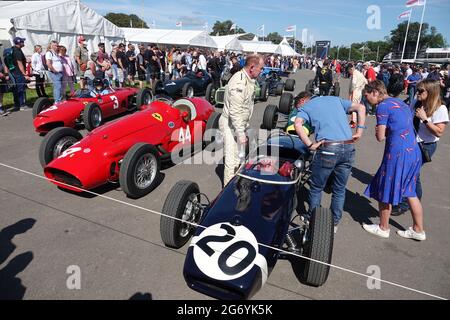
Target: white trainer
376,230
335,229
411,234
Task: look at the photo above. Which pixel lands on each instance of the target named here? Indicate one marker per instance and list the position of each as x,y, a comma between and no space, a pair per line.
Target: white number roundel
225,252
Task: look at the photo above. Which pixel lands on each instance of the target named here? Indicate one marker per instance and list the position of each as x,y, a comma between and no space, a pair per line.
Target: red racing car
130,149
86,107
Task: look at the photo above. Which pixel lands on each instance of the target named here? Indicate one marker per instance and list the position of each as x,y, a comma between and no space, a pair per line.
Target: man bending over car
334,147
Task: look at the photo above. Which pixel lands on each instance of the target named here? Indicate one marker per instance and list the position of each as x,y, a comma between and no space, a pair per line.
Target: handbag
426,157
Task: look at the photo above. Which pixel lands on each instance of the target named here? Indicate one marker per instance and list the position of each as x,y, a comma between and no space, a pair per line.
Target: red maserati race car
130,149
87,107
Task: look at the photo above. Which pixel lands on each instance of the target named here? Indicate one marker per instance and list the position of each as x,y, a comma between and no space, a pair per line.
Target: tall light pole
349,52
337,58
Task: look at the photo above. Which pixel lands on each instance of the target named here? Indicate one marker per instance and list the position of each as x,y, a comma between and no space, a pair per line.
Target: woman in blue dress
396,177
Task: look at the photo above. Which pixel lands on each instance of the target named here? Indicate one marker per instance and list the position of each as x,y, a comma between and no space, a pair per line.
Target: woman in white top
431,118
68,71
55,69
38,70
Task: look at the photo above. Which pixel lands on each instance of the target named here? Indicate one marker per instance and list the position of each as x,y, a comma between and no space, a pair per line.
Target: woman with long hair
396,177
68,71
431,118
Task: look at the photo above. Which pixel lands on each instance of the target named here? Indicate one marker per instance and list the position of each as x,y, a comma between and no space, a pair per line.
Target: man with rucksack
81,58
15,65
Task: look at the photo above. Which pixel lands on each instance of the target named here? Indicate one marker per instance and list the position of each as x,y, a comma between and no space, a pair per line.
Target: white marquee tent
256,46
229,42
285,49
62,20
183,38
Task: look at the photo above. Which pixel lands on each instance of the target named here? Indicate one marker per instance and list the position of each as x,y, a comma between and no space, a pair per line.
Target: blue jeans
337,160
411,93
18,90
57,85
431,150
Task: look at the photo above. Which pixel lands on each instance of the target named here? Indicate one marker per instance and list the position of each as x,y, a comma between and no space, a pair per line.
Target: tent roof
196,38
258,46
285,49
62,16
229,42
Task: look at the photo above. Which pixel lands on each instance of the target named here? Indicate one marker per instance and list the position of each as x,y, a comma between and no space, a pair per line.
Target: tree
298,44
126,20
274,37
429,38
223,28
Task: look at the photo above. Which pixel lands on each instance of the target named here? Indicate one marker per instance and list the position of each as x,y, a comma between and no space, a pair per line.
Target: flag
414,3
291,28
153,24
261,28
304,36
404,15
179,24
131,23
233,26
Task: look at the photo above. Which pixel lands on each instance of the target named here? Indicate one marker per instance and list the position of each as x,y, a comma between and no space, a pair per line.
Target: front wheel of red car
143,98
56,142
40,104
181,209
139,172
92,116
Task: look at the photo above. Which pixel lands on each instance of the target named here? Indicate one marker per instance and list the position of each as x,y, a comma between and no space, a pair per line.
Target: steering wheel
163,98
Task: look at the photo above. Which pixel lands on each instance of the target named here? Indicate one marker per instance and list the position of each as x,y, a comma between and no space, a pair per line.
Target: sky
342,22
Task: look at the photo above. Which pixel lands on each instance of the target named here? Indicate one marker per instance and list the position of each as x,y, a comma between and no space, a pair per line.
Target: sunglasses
420,91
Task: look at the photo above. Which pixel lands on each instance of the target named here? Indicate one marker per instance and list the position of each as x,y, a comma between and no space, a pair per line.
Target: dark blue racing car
239,235
192,84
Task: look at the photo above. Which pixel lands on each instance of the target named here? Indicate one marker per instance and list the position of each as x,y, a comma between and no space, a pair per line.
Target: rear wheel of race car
56,142
319,246
286,101
212,128
270,117
156,85
210,93
143,97
279,89
310,87
181,203
289,85
337,89
139,170
187,91
264,94
40,104
92,116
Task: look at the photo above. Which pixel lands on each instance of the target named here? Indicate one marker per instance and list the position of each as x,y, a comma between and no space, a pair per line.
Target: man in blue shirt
334,146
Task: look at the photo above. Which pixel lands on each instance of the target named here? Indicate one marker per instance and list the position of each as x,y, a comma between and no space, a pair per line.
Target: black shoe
398,211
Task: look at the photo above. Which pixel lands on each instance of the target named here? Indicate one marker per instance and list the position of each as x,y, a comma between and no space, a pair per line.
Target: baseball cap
81,39
18,40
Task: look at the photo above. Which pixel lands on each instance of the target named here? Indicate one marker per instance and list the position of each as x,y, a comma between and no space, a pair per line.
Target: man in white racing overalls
237,111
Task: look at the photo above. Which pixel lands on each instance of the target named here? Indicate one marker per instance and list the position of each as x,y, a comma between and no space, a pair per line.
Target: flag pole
295,35
406,36
420,30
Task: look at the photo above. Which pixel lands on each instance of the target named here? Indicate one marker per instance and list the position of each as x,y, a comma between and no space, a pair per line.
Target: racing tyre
319,246
337,89
210,93
286,101
143,97
279,89
270,117
56,142
264,94
289,85
40,104
180,204
310,87
156,85
92,116
187,91
139,171
213,123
